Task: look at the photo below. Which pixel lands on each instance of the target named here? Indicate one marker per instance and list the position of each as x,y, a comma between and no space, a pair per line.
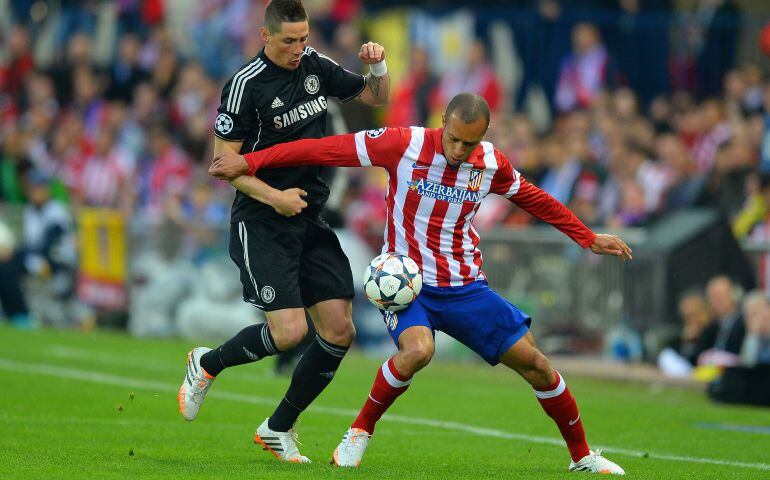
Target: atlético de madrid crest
312,84
474,182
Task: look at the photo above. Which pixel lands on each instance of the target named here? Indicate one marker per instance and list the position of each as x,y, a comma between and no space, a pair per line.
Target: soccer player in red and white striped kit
437,180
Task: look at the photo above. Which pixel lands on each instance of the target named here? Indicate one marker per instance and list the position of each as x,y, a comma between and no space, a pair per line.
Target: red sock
560,405
388,385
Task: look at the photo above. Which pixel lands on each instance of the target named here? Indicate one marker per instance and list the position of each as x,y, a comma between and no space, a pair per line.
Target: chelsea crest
312,84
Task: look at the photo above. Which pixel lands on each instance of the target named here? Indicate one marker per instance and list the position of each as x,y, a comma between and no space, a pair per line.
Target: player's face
459,139
285,46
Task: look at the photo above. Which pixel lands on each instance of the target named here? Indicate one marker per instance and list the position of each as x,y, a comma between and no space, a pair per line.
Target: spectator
714,131
633,211
199,215
165,175
12,298
219,29
749,383
682,184
107,172
716,39
14,164
413,95
648,175
79,53
130,136
752,219
126,73
641,45
661,114
48,236
89,86
75,16
19,63
563,170
698,333
724,299
47,250
756,346
584,72
699,330
726,184
476,76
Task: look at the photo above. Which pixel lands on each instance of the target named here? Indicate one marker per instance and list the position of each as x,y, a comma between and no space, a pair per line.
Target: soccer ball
392,281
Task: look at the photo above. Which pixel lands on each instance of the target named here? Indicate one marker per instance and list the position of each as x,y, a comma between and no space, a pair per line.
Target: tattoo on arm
374,83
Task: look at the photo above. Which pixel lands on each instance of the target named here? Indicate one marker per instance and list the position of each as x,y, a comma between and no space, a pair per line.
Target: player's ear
443,120
265,34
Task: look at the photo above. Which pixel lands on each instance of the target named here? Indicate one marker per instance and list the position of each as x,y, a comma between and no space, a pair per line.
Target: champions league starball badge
223,123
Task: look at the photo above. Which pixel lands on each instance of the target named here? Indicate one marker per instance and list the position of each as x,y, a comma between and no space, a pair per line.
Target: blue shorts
473,314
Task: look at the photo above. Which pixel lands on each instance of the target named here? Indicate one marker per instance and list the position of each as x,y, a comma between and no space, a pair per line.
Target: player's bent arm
542,205
249,185
377,90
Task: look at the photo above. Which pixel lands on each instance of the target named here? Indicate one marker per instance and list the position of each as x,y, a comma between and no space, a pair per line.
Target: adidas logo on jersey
276,103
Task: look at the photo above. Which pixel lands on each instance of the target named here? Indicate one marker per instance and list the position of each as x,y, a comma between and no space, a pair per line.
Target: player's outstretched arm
610,245
334,151
377,90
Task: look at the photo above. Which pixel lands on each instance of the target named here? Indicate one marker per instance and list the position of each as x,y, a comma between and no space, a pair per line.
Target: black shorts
290,263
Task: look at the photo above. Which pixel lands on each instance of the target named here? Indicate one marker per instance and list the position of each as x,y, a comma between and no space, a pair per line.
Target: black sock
314,372
249,345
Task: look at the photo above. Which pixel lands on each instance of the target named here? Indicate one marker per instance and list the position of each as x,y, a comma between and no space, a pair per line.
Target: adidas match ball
392,281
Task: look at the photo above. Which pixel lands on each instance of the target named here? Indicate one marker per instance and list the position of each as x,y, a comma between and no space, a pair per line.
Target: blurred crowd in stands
725,337
624,110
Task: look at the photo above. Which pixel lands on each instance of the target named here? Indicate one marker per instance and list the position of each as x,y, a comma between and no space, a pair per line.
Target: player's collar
269,63
476,157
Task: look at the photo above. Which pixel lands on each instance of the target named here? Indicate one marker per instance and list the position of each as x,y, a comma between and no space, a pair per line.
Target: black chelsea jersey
264,104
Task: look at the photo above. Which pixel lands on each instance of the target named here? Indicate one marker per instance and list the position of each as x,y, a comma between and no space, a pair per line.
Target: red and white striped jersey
430,205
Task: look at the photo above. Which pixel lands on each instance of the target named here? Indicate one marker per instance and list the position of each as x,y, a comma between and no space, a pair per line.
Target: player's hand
289,202
371,53
228,166
610,245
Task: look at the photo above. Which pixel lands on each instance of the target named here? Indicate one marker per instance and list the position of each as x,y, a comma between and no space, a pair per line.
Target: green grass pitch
103,405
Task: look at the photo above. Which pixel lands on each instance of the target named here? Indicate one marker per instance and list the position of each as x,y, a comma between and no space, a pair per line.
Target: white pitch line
109,379
102,358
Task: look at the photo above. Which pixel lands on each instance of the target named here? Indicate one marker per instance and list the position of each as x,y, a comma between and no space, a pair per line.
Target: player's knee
538,371
341,333
418,354
289,334
541,365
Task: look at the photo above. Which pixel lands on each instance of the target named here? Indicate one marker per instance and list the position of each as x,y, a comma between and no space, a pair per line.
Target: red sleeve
383,147
509,183
334,151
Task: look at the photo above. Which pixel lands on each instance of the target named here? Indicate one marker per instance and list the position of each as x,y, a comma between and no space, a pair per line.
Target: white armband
379,69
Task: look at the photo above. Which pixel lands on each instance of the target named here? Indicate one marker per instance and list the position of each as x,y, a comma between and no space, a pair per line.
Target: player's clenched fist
371,53
228,166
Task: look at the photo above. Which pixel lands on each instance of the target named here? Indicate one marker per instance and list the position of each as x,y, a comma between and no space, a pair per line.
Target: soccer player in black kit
289,258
